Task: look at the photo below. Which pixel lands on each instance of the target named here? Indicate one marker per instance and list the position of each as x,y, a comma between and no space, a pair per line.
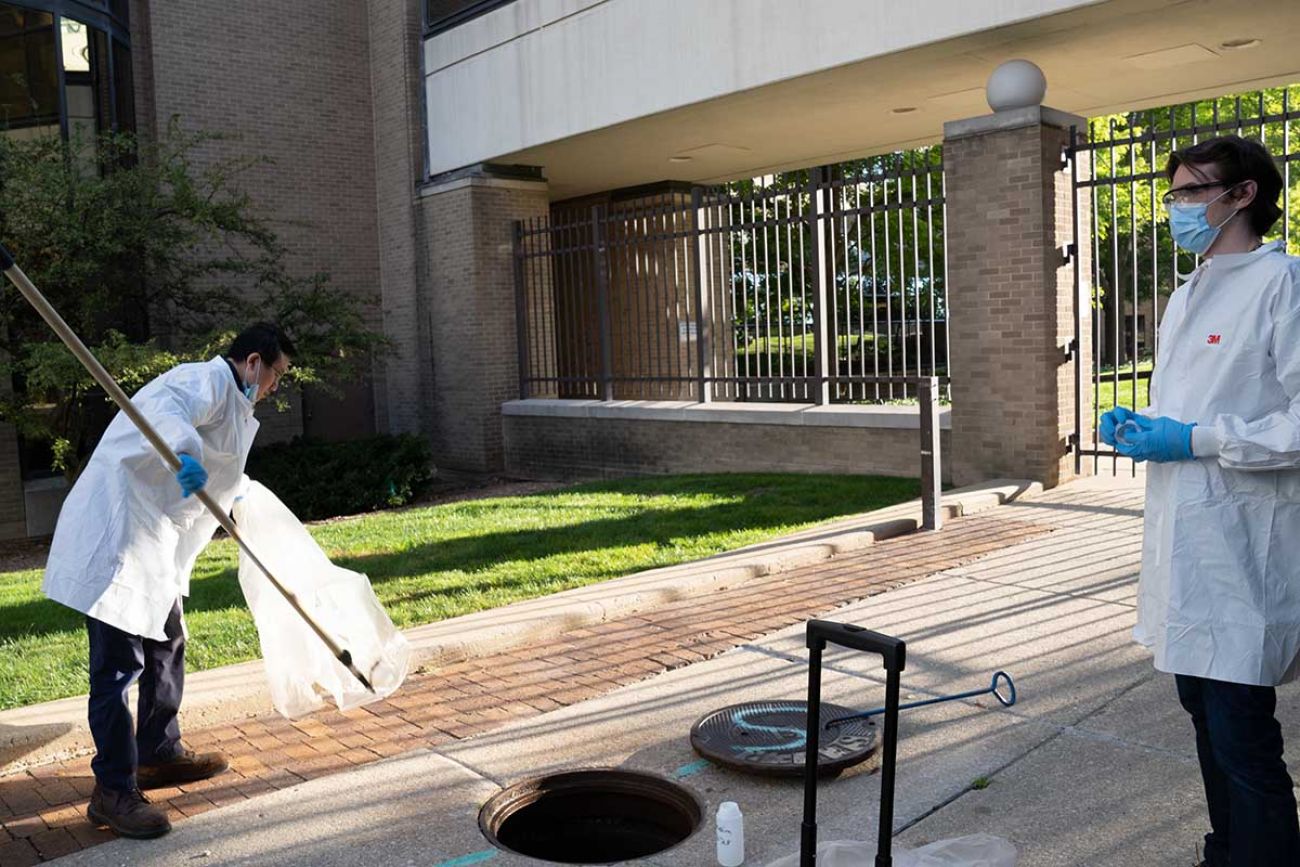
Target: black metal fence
821,286
1119,164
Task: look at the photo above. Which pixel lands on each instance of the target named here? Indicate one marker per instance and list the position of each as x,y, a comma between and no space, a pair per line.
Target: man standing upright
1219,596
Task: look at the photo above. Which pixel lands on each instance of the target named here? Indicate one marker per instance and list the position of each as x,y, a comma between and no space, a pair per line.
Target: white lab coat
126,540
1219,595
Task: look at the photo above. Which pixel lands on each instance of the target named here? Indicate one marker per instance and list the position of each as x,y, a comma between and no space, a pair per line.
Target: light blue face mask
1191,227
250,391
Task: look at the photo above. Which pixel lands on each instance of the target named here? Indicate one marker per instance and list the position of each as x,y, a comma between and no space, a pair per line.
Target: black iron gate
820,286
1125,262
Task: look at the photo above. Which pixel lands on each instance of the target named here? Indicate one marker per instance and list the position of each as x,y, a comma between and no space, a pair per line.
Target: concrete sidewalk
1094,766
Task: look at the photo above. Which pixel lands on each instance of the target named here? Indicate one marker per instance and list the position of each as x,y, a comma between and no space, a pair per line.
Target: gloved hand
191,476
1161,440
1111,420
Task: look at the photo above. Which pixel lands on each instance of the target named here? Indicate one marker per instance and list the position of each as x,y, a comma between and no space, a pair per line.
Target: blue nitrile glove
1112,419
191,476
1161,440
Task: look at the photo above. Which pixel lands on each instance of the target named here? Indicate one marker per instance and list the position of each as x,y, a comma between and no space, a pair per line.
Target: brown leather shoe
186,766
127,814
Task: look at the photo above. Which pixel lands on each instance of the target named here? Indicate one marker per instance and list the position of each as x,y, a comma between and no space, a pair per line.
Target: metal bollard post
931,476
599,219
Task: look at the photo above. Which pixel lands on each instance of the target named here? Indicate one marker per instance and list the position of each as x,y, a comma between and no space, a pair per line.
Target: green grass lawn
1127,394
804,345
434,562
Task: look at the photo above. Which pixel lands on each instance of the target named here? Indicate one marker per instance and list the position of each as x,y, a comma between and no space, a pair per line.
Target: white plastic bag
299,667
976,850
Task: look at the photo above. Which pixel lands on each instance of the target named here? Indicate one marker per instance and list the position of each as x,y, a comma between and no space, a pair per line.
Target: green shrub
326,479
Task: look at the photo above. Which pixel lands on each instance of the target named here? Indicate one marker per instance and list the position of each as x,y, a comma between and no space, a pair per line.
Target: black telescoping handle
6,259
894,652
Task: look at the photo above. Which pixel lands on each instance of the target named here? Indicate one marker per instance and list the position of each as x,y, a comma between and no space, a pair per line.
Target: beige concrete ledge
56,730
436,189
1015,118
896,417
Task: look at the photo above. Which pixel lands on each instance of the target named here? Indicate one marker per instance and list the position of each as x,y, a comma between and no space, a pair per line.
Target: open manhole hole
599,816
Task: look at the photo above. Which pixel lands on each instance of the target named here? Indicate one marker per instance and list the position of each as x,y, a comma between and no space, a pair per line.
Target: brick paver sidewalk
42,811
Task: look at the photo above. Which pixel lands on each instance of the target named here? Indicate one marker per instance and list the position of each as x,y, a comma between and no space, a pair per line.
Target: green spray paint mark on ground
692,769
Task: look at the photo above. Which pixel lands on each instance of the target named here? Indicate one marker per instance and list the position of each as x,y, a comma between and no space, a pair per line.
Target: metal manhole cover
770,737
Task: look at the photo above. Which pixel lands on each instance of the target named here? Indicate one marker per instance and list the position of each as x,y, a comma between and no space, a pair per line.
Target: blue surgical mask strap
250,388
1234,213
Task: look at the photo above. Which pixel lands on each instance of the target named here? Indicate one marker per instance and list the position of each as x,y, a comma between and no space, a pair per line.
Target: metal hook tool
998,677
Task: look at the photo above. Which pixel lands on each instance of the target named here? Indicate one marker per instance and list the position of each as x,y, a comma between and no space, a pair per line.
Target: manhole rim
518,795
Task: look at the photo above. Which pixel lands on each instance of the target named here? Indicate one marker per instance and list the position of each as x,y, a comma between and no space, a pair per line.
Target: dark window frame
456,19
96,15
25,35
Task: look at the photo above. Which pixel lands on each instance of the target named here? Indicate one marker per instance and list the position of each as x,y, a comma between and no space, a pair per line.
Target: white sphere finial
1016,84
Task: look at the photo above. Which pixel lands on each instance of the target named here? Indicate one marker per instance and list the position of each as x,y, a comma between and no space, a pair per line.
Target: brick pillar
468,289
1011,296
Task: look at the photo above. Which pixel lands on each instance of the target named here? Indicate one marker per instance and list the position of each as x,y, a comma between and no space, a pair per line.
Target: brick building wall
403,388
293,85
597,448
470,296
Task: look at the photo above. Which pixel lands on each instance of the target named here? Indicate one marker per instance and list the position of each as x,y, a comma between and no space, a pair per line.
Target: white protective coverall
1219,595
126,539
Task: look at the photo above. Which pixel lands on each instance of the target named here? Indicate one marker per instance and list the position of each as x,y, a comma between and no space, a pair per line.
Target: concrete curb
52,731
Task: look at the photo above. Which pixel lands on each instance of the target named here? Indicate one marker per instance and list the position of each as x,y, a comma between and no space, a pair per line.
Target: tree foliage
1135,262
155,253
882,248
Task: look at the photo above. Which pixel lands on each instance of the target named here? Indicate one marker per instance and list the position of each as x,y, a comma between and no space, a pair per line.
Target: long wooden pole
106,382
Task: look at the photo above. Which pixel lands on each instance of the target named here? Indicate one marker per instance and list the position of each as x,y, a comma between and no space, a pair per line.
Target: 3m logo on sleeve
1214,339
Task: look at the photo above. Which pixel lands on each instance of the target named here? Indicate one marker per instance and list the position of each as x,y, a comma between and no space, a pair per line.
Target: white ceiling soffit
1120,55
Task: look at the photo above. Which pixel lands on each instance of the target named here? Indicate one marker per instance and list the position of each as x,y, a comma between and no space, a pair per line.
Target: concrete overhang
1114,56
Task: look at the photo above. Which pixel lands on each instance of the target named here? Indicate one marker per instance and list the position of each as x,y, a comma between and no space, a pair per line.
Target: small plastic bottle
731,835
1124,433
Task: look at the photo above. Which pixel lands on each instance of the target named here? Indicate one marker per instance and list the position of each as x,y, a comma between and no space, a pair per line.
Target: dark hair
265,339
1238,159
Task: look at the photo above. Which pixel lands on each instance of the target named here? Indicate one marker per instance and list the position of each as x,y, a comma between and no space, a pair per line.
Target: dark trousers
1247,787
116,661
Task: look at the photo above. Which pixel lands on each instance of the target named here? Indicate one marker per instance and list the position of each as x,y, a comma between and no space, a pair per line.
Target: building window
65,68
29,79
440,15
